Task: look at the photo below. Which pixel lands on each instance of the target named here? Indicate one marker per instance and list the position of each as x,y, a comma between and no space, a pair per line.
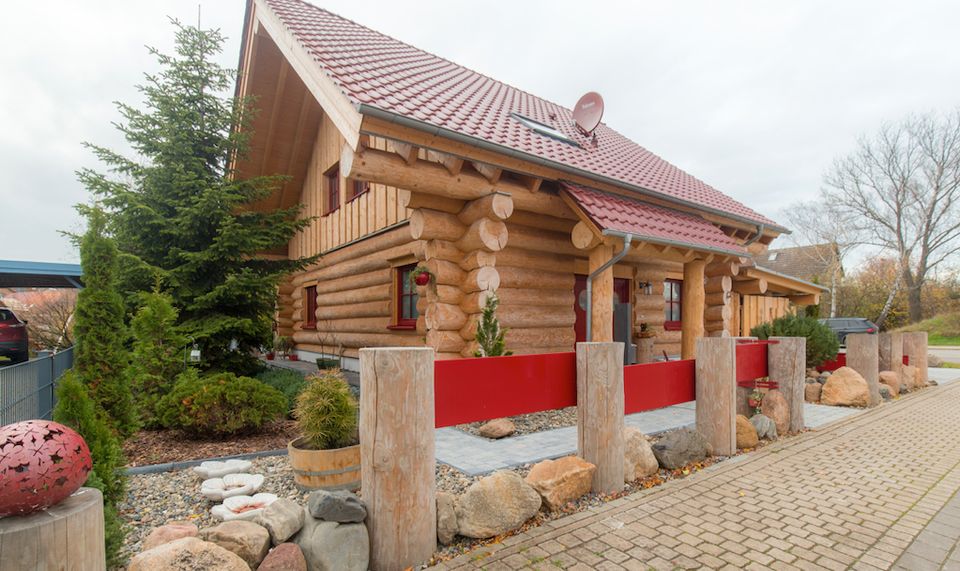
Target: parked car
13,338
844,326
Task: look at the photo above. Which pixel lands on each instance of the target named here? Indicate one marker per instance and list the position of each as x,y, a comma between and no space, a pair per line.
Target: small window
357,188
406,298
332,180
673,305
544,129
310,319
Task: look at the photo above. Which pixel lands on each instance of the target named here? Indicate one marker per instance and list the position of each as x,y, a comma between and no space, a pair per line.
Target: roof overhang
20,274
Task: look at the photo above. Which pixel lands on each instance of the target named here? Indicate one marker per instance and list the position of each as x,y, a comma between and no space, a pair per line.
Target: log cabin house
402,158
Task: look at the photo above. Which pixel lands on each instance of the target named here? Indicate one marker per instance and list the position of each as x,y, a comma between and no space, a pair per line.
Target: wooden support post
600,412
915,347
397,454
716,392
691,319
601,304
863,357
787,364
890,351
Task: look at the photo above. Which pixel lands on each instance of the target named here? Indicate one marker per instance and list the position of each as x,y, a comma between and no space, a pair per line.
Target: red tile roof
375,70
649,222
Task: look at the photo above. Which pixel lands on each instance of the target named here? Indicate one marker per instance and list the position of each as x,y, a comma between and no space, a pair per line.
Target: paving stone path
873,491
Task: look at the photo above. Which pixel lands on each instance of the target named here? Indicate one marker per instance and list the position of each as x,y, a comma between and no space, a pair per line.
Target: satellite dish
588,111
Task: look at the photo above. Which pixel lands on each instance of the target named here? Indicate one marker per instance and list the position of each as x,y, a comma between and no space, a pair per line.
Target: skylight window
544,129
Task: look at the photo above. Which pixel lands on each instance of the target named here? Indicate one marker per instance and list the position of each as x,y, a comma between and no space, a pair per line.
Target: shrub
327,412
489,333
290,383
822,343
157,353
219,405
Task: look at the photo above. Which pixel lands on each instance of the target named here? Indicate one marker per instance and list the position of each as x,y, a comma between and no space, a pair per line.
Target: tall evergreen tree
180,209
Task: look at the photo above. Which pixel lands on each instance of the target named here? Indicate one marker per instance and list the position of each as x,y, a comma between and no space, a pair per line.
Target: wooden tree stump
915,348
68,535
600,412
890,349
863,357
787,362
398,479
716,391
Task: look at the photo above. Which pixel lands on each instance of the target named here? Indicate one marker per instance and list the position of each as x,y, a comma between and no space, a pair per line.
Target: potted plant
420,276
283,345
328,454
755,400
646,332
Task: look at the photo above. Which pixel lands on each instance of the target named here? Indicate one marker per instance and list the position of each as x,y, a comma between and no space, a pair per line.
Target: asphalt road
951,354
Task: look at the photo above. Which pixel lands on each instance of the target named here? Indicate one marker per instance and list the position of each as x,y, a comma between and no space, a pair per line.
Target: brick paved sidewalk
852,495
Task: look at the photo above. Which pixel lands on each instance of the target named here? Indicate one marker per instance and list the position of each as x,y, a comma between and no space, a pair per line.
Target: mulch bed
161,446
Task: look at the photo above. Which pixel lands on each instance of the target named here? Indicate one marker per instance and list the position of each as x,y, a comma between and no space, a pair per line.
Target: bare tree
49,316
902,188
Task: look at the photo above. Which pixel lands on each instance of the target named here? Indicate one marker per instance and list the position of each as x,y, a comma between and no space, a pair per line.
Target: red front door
621,292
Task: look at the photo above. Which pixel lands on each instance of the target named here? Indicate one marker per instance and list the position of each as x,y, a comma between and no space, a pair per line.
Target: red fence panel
471,390
751,361
656,385
840,361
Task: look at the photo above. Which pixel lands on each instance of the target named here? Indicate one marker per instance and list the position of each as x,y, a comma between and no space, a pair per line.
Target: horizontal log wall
650,307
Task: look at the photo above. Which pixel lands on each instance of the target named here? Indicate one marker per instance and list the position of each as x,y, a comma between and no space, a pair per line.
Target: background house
818,264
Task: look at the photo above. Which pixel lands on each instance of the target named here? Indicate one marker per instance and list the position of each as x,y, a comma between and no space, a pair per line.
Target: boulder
340,506
934,360
812,381
282,519
746,433
845,387
168,533
562,480
823,376
812,373
638,459
187,554
498,428
496,504
284,557
678,448
885,393
446,518
766,428
775,407
329,545
811,393
892,380
245,538
908,378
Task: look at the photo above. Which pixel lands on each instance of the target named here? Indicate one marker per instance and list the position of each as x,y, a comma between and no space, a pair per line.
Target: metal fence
28,390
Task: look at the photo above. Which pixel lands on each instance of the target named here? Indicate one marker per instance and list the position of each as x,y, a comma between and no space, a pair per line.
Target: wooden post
915,347
600,412
397,454
716,391
890,347
601,304
68,535
691,318
786,362
863,357
645,350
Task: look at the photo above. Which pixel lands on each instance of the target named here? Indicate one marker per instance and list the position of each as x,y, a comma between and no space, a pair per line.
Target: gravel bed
534,422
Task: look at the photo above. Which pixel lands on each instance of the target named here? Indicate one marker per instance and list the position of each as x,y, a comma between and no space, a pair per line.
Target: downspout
627,238
760,229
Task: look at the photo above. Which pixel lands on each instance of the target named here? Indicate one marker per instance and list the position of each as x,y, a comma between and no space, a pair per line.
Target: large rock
282,519
638,459
446,518
284,557
168,533
498,428
811,392
746,433
678,448
332,546
765,426
908,378
892,380
934,360
496,504
845,387
562,480
245,538
775,407
187,554
340,506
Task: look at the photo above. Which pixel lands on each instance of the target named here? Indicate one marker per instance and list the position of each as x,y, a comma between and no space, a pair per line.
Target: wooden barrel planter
336,469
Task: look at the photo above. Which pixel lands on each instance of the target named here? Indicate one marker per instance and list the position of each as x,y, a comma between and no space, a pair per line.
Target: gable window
406,299
332,180
310,307
673,305
357,188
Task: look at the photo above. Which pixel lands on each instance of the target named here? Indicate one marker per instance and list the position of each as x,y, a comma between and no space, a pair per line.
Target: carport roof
18,273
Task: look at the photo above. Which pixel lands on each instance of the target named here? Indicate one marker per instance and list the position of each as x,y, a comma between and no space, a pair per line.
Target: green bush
822,343
290,383
219,405
327,412
157,353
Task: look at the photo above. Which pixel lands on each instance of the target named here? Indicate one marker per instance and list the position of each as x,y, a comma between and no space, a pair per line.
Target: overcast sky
754,97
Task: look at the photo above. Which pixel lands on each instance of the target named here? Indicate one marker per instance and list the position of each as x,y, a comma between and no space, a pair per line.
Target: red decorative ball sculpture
41,464
422,279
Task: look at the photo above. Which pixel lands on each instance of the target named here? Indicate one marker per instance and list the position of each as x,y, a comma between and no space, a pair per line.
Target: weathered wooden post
787,364
716,392
398,479
600,412
915,348
863,357
890,350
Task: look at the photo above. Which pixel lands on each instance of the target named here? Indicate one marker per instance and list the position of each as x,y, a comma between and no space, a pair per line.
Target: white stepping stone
218,489
219,469
242,507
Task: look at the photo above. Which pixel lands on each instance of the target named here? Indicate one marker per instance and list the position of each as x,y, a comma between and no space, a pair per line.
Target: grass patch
942,329
949,365
288,382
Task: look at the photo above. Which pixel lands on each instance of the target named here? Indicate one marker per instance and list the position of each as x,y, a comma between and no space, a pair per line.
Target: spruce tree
180,210
157,356
489,333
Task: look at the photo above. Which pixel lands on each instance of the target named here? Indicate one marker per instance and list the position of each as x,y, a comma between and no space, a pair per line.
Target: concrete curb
171,466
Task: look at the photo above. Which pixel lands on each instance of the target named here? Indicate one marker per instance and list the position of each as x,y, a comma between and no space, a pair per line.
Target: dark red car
13,338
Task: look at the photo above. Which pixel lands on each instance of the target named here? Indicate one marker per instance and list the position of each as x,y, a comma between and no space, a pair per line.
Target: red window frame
406,295
672,302
310,319
332,178
357,188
